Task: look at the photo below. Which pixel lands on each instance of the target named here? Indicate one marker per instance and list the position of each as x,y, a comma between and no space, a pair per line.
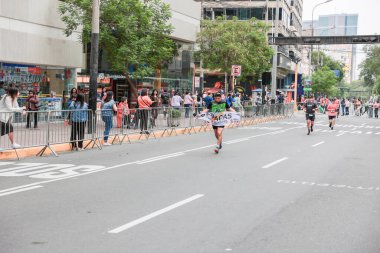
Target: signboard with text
236,70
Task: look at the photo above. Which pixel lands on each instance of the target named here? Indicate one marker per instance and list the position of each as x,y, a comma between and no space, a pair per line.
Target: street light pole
275,49
94,58
312,26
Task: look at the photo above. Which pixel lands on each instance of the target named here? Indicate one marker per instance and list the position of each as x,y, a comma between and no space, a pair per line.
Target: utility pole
201,78
94,58
275,48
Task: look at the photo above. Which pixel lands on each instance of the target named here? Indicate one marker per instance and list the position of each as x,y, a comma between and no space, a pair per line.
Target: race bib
220,119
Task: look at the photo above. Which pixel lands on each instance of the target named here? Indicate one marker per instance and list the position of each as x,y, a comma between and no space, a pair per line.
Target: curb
60,148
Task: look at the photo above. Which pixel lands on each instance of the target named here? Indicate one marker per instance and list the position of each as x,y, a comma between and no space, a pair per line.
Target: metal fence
84,128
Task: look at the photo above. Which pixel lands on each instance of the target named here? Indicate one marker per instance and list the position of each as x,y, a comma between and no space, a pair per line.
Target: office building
337,25
290,24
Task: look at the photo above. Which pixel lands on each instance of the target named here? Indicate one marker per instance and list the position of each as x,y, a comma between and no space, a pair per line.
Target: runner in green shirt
218,107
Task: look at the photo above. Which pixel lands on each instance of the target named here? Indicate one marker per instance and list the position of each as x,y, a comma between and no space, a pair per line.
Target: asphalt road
271,189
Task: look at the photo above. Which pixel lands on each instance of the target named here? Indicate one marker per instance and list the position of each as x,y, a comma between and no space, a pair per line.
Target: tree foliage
224,43
132,32
370,67
376,86
325,81
320,60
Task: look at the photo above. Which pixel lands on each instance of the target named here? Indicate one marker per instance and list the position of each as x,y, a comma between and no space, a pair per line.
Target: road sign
197,81
236,70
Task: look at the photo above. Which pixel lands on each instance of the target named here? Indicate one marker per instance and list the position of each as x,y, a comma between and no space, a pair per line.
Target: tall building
34,52
337,25
290,25
36,55
179,73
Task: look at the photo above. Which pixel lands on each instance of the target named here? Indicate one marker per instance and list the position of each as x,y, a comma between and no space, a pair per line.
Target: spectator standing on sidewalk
79,117
370,107
165,100
376,107
230,100
144,104
176,101
208,100
123,113
347,107
2,90
108,109
8,106
343,106
188,102
32,107
155,104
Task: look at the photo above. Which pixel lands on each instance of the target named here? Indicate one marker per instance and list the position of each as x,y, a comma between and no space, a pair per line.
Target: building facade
290,25
337,25
34,52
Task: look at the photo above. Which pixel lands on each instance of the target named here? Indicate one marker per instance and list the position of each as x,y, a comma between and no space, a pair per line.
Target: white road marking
340,134
20,190
341,186
158,158
196,149
155,214
318,144
236,141
118,165
275,163
228,249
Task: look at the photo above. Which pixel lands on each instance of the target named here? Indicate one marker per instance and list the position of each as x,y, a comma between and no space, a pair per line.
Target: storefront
50,83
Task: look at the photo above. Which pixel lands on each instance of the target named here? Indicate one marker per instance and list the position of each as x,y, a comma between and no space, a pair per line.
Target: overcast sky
368,10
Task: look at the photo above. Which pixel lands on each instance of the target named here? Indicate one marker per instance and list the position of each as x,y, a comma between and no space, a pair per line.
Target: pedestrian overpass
326,40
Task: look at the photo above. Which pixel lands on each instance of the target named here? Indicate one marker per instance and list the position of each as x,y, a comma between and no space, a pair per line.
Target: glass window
244,14
323,21
352,21
230,13
351,31
258,13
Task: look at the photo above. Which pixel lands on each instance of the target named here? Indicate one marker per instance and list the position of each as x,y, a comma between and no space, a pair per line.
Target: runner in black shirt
310,108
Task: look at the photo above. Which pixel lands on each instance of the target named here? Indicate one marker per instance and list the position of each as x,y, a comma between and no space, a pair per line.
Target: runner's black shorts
310,116
332,117
216,127
5,128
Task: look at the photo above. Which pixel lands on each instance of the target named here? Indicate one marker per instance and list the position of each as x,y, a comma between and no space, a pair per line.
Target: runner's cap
218,94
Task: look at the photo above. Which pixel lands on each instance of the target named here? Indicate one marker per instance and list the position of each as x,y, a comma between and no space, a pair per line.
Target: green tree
325,81
320,60
370,67
132,32
376,87
224,43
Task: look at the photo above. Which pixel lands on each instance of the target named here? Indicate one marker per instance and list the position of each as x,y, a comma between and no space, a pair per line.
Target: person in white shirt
188,104
8,106
176,101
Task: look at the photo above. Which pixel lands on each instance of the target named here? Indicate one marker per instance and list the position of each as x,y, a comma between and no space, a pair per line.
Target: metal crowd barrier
84,128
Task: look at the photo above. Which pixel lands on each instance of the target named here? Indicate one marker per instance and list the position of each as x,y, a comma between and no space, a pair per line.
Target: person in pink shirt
332,112
144,104
376,106
122,113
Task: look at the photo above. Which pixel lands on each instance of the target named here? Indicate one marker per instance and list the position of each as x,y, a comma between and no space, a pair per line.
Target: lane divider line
275,163
318,144
236,141
20,190
158,158
153,215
